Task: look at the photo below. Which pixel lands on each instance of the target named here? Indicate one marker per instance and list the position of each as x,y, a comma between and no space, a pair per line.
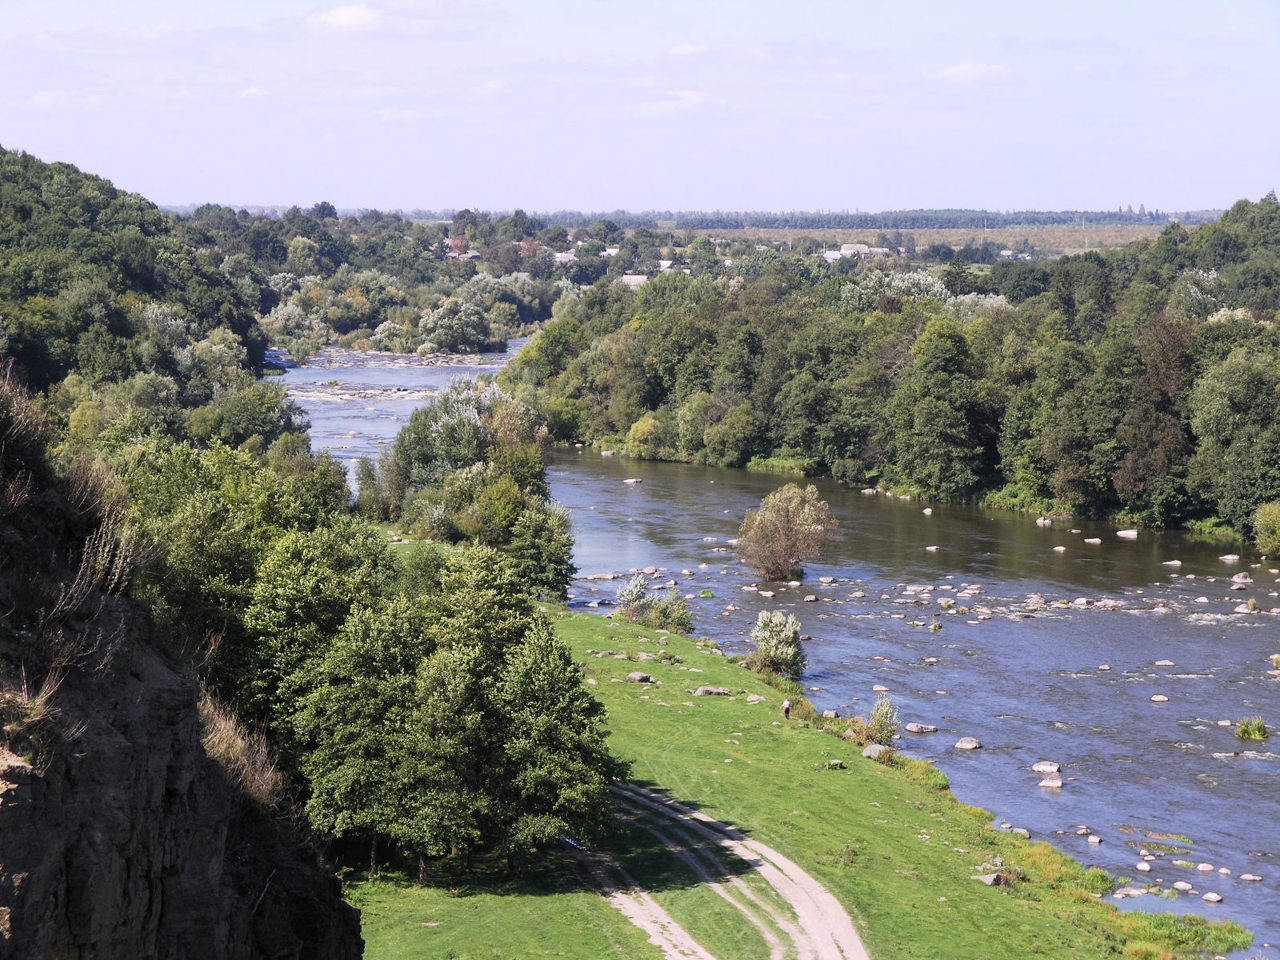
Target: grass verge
889,840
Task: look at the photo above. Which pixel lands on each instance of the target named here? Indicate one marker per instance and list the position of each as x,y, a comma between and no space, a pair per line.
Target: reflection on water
1030,678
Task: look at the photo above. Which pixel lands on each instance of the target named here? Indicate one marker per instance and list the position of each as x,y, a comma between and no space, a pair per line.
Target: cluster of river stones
964,600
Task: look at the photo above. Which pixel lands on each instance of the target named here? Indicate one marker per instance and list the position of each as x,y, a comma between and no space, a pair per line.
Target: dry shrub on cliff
244,756
22,439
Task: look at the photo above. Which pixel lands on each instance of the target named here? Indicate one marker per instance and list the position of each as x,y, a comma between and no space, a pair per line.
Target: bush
778,648
882,725
791,525
669,612
1266,527
647,439
1252,728
633,595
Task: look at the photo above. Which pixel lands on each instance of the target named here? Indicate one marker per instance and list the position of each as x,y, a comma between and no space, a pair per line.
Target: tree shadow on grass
651,851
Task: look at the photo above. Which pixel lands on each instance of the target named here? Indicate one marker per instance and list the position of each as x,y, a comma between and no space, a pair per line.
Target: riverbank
898,852
797,469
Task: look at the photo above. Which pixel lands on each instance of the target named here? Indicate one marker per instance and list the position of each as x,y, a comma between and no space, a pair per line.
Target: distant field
1052,239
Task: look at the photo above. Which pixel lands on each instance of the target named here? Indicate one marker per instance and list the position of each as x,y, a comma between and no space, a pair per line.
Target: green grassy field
893,847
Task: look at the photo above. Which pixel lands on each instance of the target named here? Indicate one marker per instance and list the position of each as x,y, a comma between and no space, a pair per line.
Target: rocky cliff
119,836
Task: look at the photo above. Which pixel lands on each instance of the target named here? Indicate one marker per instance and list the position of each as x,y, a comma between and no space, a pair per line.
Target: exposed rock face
128,841
120,838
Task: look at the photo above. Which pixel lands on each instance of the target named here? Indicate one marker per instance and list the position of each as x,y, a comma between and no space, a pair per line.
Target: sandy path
641,909
824,930
706,866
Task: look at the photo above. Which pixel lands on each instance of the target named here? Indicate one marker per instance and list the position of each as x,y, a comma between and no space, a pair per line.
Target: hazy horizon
582,105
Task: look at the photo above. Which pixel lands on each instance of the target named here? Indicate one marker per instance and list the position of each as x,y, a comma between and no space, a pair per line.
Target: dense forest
413,703
1144,382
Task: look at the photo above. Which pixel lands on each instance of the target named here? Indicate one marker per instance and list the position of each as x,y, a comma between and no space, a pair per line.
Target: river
1031,680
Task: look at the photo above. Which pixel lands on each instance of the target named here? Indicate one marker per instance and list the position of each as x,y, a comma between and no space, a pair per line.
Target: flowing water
357,402
1030,679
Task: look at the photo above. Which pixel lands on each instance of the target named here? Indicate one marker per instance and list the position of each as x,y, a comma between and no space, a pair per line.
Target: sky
660,105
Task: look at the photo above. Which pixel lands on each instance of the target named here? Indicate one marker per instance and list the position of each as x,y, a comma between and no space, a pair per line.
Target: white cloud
356,18
687,49
61,99
973,72
399,114
677,102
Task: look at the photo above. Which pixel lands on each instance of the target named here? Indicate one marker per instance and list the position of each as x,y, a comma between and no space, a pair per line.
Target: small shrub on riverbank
668,612
882,725
1252,728
778,647
795,466
1266,527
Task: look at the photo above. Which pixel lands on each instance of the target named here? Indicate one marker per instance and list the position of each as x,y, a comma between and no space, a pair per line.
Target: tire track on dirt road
706,866
823,930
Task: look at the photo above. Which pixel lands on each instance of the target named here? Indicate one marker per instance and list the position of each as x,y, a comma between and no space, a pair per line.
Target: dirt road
801,919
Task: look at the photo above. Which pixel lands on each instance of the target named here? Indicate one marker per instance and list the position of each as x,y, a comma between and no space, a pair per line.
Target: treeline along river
974,623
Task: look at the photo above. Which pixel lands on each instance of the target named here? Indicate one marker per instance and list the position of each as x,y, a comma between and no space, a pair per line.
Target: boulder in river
1212,897
1159,698
914,727
1046,766
1127,534
968,743
1052,782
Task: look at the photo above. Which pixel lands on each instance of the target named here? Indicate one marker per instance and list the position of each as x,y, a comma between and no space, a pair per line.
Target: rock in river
914,727
968,743
1046,766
